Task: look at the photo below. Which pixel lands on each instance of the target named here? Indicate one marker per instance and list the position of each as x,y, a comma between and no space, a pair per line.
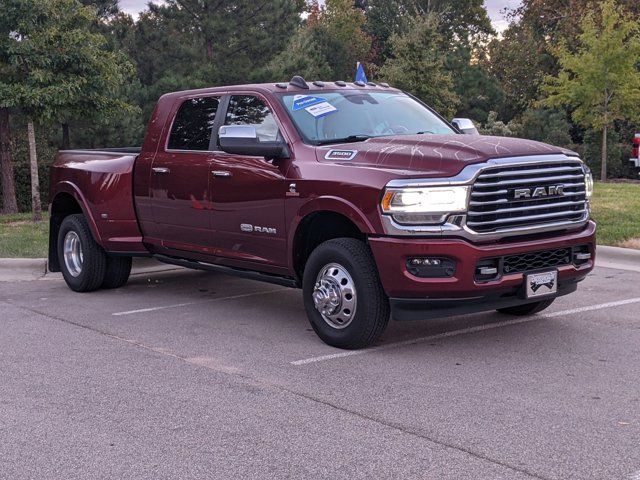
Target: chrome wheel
72,250
334,295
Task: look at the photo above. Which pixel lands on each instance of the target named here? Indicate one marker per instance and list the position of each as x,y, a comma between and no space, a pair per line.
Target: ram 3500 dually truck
357,193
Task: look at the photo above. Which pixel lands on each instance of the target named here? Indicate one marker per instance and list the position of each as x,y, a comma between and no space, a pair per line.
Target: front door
248,192
180,183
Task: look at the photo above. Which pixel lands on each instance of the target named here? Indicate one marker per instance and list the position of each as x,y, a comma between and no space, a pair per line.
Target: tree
417,65
519,63
56,67
327,46
183,44
9,203
464,23
601,81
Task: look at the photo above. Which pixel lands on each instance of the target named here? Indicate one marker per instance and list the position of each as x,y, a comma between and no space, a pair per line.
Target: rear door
248,192
181,175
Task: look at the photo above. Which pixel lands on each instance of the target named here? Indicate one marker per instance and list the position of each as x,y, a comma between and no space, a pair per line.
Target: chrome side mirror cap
243,140
465,125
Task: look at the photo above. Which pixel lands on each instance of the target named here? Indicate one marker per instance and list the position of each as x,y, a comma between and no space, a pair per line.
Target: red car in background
635,150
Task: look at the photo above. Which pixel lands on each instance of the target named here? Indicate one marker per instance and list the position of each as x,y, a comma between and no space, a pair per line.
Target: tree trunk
36,207
9,204
603,169
209,48
66,142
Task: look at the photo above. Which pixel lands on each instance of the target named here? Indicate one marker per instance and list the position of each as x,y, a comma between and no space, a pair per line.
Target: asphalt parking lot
185,374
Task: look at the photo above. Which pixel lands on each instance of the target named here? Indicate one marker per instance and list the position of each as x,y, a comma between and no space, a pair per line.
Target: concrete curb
21,269
18,269
616,257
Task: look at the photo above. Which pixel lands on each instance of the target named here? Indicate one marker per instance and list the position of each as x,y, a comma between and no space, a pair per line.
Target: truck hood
433,155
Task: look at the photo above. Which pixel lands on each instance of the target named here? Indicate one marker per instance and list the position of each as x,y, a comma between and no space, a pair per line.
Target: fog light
425,261
488,269
431,267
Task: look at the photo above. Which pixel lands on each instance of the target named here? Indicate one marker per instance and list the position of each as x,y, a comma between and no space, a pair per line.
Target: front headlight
424,205
588,183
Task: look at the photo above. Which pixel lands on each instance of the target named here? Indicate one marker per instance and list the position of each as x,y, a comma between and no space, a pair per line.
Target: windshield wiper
349,139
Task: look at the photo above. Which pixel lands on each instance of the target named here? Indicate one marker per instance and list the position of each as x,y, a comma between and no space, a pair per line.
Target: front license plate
541,284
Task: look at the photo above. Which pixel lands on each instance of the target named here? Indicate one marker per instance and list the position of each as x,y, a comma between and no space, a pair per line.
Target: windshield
354,115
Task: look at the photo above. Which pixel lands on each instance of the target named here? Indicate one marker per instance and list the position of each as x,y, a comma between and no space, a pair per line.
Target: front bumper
409,292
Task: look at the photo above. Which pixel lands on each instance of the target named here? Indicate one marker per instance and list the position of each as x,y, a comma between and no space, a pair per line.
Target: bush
548,126
496,127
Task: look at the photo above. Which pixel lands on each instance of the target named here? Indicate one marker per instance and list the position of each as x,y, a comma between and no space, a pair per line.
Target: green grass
21,238
616,209
615,206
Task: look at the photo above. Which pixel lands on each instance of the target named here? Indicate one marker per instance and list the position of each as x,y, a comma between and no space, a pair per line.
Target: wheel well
319,227
62,206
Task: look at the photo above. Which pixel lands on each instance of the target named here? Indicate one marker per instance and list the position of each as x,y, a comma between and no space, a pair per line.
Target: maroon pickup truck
357,193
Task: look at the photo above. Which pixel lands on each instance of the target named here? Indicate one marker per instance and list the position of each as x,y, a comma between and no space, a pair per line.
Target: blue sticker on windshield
304,101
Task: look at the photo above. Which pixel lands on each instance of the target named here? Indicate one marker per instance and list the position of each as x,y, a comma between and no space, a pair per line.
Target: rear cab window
193,124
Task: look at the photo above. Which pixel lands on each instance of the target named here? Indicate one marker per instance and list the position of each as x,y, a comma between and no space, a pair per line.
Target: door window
250,110
193,124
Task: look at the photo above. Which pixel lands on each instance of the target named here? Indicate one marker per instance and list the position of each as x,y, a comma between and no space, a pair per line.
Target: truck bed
101,182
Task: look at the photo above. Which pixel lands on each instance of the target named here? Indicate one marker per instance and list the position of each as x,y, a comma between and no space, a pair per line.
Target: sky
494,7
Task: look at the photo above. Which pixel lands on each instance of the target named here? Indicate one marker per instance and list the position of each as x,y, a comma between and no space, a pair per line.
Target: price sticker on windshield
321,109
304,101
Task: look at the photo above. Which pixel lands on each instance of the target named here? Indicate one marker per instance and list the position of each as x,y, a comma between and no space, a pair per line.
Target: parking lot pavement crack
412,432
237,373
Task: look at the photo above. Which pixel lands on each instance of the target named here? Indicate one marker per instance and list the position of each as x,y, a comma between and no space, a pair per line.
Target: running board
238,272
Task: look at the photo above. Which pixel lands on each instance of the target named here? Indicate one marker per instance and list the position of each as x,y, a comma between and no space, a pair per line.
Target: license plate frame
541,284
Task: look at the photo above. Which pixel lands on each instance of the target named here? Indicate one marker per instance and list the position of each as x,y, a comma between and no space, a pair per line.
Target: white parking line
463,331
176,305
634,476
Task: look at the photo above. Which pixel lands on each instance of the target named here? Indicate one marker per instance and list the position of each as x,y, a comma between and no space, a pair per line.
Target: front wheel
82,261
343,297
528,308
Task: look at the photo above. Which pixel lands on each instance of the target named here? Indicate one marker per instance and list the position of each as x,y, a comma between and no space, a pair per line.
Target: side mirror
243,140
465,126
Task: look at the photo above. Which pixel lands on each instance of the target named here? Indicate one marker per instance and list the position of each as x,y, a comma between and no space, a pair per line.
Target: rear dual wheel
84,264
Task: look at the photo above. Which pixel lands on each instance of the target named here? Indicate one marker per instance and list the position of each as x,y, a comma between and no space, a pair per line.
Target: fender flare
327,204
71,189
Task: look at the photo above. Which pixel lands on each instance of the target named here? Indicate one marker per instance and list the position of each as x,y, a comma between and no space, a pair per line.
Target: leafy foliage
601,81
417,66
53,66
327,46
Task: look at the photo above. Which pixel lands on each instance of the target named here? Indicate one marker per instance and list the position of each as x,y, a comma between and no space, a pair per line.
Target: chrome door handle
221,173
160,170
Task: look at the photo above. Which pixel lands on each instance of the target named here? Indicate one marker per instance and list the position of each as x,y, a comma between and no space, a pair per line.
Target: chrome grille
495,206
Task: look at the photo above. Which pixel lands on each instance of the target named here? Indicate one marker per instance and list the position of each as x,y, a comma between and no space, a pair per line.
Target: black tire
528,308
117,272
372,308
94,259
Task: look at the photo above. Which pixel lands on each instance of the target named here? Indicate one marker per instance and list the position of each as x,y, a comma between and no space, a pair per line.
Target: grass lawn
20,237
615,206
616,209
